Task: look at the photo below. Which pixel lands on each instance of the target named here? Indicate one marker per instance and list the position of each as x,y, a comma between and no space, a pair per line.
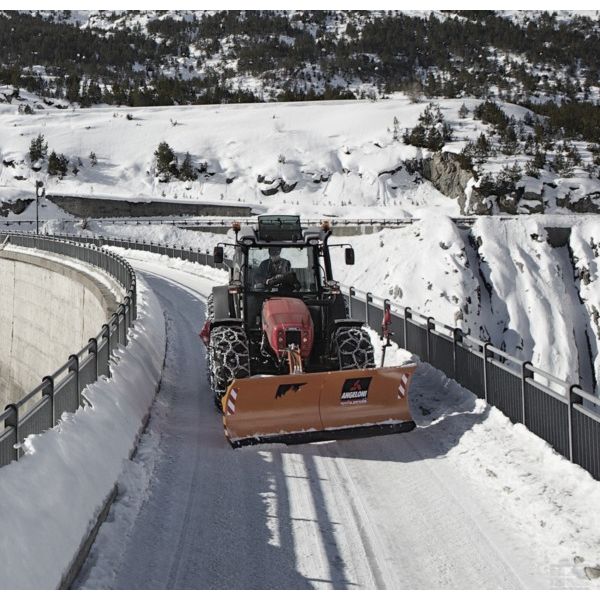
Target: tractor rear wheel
353,349
228,358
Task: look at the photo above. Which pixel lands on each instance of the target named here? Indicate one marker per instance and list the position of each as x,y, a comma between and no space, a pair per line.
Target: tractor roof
280,230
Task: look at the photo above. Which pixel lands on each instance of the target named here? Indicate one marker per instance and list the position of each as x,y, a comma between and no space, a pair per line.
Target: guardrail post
134,298
117,318
369,299
106,336
524,368
485,370
93,342
48,390
457,335
13,421
74,368
127,316
407,315
430,326
573,399
351,294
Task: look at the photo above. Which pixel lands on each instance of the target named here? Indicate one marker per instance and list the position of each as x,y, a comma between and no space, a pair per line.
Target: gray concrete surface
48,310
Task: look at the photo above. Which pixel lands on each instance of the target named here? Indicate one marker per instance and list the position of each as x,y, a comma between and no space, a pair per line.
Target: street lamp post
40,192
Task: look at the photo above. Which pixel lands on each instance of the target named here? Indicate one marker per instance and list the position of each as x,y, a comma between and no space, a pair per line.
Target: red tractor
286,363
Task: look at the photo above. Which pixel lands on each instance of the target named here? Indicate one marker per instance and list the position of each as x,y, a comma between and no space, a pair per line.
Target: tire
228,359
210,316
353,349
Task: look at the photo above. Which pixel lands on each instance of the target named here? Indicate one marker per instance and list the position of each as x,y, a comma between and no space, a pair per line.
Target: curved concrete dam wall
48,310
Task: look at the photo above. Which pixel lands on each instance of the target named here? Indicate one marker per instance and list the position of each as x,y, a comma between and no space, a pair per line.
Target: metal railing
549,407
61,391
220,222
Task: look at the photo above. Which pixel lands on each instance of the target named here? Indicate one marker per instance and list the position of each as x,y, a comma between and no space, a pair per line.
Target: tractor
286,362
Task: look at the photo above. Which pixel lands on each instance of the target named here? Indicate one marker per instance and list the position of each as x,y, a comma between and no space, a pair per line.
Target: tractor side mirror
218,255
349,256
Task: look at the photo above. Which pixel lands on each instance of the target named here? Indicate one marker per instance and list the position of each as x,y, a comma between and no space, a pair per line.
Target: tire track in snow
386,512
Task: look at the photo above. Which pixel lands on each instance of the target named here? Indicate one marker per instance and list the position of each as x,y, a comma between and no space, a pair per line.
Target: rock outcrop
16,207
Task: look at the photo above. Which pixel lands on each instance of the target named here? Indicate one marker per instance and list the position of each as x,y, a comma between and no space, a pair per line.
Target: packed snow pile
423,266
52,496
585,248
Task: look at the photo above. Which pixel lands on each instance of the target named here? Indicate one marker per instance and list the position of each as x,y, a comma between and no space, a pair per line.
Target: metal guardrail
524,393
228,221
61,391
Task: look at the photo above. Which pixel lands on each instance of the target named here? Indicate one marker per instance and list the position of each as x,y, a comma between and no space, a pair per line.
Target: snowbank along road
464,501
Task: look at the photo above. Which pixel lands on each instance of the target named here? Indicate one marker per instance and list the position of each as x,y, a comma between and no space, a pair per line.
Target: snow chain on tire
353,348
229,358
210,316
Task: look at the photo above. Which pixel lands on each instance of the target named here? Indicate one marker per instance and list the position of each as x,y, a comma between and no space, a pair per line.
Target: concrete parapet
48,310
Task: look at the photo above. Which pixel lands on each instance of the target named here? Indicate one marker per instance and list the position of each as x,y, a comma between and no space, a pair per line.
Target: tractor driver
272,266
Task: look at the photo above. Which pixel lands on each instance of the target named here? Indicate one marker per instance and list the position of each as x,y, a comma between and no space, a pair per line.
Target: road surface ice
457,503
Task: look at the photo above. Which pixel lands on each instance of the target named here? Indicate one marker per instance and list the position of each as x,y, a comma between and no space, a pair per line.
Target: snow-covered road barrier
52,497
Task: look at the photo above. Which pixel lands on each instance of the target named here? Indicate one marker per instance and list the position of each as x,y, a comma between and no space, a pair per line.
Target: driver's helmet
275,253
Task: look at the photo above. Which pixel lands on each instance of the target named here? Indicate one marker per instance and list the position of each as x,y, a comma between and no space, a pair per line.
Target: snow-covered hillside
342,158
338,157
501,281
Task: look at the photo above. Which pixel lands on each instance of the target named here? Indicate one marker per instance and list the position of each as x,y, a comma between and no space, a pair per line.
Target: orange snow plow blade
305,407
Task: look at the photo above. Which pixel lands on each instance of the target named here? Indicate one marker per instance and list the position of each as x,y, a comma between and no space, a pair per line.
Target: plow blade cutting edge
307,407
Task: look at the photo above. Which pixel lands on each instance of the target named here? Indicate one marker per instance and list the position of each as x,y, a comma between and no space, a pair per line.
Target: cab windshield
301,261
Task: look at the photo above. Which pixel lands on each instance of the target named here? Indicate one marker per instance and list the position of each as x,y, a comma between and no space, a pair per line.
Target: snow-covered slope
343,158
331,157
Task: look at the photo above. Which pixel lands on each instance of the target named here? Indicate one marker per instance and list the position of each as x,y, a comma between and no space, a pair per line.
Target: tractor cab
279,259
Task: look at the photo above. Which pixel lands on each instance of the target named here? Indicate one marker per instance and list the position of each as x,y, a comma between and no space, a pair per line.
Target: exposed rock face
16,207
589,203
476,204
445,172
275,186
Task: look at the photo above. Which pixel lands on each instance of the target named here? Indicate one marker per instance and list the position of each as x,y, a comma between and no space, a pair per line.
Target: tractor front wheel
229,359
353,349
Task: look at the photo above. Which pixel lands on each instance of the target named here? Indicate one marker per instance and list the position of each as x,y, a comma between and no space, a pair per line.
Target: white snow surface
467,500
53,494
339,154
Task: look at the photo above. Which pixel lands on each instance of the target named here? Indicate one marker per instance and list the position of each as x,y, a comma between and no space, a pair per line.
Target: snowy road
388,512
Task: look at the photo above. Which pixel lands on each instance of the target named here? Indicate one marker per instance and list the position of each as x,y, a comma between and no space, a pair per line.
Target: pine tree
482,148
166,162
72,88
58,164
463,111
510,143
38,149
539,159
531,169
186,172
396,130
